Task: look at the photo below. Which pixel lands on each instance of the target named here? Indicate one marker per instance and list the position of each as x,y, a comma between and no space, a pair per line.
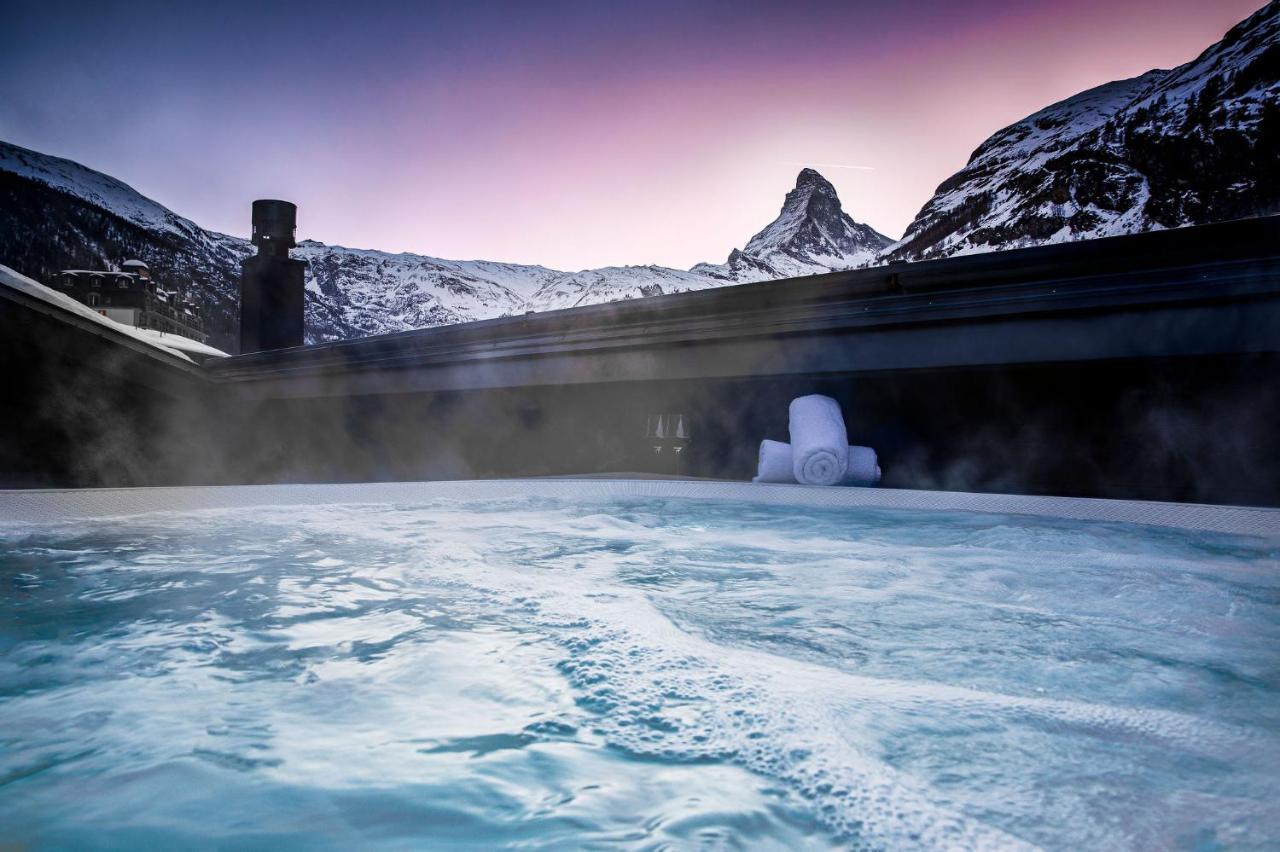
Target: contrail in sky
828,166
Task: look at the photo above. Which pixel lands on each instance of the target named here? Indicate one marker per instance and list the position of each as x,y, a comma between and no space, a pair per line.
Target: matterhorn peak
811,235
814,192
811,177
812,230
815,196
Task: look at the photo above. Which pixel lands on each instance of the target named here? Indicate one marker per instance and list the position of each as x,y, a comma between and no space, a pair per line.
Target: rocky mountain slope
56,214
1198,143
811,235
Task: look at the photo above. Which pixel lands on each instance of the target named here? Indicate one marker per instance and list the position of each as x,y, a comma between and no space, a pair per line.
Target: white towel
819,442
864,467
775,465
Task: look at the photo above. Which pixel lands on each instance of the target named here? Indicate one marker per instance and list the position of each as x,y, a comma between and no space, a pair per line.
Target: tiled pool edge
36,506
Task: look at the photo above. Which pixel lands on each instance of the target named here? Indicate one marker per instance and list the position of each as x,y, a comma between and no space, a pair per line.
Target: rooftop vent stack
272,283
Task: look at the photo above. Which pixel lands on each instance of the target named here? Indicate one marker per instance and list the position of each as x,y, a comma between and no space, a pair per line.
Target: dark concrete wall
82,411
1197,429
78,409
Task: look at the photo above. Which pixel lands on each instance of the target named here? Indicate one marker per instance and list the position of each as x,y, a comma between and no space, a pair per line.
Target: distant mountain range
1194,144
56,214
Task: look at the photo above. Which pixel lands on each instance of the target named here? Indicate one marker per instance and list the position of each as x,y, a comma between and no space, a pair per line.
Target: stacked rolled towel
819,442
776,465
864,467
775,462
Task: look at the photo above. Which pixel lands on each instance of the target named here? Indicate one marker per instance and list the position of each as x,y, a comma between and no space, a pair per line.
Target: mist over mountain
1194,144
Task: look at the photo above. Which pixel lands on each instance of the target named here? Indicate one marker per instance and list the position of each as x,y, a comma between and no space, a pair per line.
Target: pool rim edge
40,506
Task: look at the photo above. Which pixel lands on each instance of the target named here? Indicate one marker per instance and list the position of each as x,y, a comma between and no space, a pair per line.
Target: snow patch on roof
180,343
30,287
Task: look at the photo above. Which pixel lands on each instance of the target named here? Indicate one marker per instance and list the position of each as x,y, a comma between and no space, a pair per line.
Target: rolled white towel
775,465
864,467
819,442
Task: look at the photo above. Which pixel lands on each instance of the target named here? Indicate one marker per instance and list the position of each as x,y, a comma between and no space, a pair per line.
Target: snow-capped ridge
355,292
812,234
94,187
1192,144
1183,146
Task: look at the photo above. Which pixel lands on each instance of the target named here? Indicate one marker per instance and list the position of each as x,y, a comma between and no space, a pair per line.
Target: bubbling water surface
637,673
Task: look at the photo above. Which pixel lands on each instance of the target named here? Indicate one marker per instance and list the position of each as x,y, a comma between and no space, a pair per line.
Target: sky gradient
569,134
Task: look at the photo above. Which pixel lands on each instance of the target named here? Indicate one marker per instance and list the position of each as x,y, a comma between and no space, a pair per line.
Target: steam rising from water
646,672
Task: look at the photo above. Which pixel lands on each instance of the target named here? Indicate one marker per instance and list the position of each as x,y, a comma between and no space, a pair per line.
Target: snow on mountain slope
374,292
55,213
94,187
811,235
1195,144
106,193
614,283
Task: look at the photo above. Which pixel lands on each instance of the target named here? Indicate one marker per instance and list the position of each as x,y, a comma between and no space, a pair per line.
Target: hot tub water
543,672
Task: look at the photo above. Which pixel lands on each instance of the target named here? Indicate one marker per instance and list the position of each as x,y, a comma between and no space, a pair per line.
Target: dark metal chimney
272,283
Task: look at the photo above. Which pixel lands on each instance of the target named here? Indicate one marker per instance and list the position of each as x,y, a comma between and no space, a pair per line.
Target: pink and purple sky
568,134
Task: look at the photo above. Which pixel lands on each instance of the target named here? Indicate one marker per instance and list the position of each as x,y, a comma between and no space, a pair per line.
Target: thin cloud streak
826,166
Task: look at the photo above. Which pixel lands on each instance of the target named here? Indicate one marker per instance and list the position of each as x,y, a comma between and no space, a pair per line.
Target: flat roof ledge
1203,290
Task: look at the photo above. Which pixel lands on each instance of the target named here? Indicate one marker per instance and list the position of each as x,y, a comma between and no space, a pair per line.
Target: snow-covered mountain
811,235
613,284
1198,143
361,292
57,214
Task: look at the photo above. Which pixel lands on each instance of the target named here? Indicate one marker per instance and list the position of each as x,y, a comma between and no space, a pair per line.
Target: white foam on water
630,599
662,691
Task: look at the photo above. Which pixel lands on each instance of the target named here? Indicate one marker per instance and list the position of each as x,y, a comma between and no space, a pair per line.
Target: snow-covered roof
29,287
182,344
133,264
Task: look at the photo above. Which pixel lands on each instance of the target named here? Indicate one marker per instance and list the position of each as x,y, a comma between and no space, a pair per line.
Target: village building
131,297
